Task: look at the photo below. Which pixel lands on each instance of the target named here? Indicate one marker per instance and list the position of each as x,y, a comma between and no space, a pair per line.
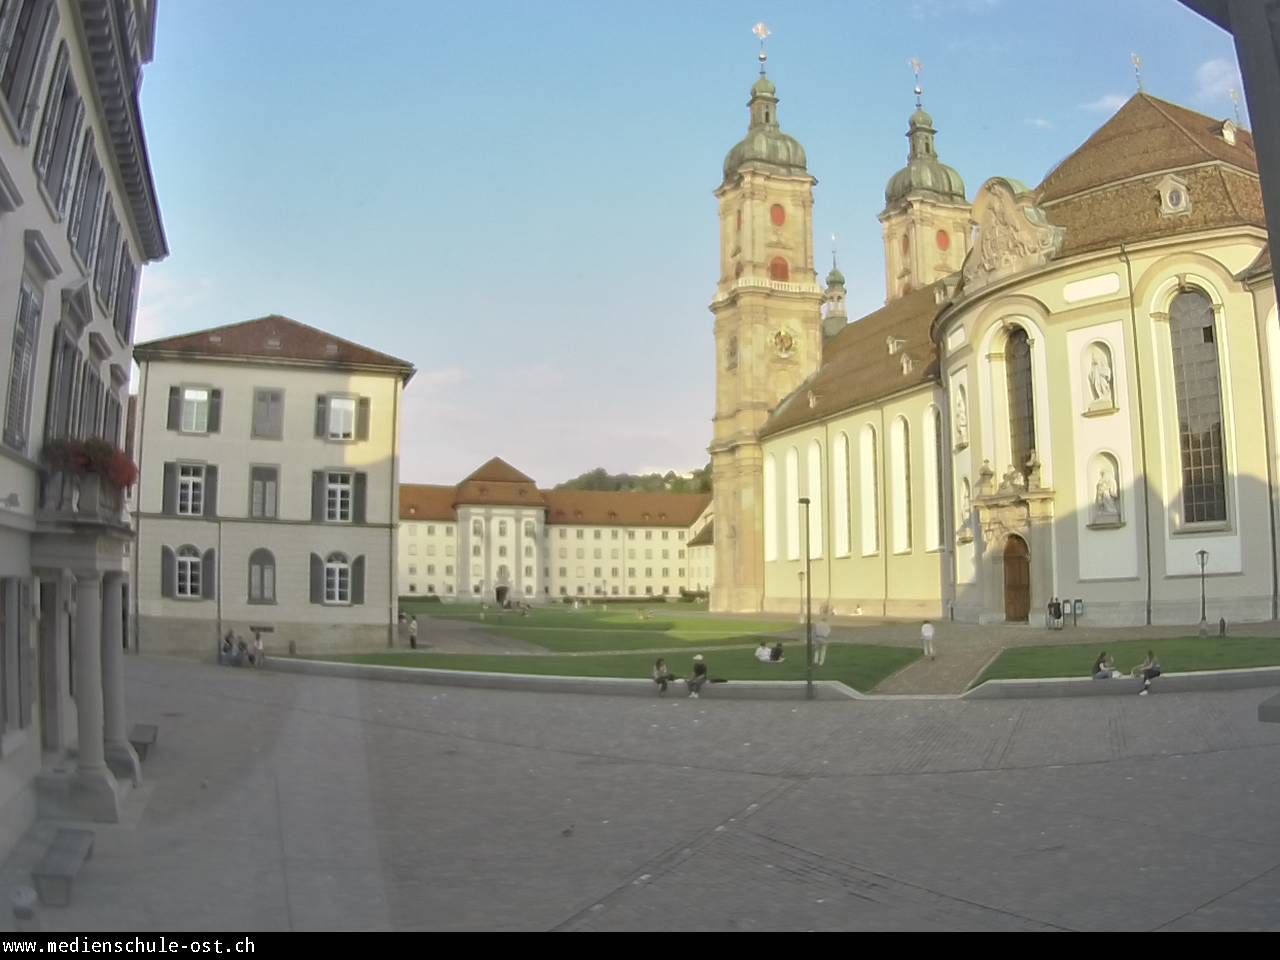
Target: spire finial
1137,69
834,238
1235,102
917,68
763,32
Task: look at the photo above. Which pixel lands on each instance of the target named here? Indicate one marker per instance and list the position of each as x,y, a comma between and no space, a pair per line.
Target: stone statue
986,479
1033,471
966,505
960,416
1100,389
1106,503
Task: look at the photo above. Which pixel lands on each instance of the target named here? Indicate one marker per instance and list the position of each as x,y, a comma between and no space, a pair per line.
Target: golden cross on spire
917,68
1235,102
1137,68
834,238
764,33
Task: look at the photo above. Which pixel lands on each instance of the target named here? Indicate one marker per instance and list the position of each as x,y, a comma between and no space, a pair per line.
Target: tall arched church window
900,465
792,504
815,499
1022,409
933,478
1195,373
771,508
840,495
869,490
779,269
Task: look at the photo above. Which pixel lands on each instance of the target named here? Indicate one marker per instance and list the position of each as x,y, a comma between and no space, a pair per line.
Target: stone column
95,786
119,753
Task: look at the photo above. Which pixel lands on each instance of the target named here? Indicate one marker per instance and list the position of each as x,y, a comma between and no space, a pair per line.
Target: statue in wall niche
1101,393
1106,501
960,416
1012,480
1033,471
986,479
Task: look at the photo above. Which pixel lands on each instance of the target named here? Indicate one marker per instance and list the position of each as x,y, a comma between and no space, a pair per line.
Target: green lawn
619,628
1181,655
860,667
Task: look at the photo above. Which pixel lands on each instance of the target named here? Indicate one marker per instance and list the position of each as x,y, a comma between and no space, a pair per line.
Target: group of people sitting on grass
1104,668
767,654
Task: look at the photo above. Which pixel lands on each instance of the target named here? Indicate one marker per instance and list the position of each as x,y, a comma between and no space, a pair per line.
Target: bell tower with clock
768,329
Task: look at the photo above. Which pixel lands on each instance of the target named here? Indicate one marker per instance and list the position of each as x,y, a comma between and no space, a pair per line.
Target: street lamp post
1203,557
808,607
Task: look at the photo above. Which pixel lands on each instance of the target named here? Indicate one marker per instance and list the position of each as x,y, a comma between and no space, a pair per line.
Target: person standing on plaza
821,640
926,639
413,633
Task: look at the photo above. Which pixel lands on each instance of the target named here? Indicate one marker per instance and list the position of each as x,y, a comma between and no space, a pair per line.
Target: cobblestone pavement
278,801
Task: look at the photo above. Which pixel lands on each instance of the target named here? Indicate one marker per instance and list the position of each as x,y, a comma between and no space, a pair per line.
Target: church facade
1070,391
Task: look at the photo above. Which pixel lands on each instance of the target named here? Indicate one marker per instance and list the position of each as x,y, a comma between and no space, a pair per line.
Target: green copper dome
924,172
835,277
765,145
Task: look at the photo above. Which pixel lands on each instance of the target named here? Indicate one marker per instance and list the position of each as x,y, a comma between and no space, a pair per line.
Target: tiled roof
272,338
1147,135
706,536
421,501
857,367
1260,267
498,470
620,508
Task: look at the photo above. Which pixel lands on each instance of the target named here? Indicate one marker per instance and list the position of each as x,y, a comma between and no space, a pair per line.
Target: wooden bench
68,853
143,737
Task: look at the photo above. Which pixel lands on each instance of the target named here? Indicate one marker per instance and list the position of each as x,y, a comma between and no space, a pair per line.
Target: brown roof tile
1260,267
1147,135
857,367
498,470
272,338
1130,212
422,501
706,536
620,508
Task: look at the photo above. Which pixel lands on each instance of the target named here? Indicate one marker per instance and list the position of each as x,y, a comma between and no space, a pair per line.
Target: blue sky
517,196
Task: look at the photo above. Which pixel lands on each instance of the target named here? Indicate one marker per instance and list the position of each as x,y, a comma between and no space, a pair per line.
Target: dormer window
1175,200
1229,129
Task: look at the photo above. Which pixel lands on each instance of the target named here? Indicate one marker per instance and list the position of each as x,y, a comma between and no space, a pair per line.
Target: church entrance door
1017,580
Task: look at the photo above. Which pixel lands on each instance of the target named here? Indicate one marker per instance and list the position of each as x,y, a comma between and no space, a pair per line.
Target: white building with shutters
268,494
78,219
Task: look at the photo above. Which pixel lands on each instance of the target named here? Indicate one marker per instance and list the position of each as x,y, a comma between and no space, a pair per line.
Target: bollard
1222,626
24,910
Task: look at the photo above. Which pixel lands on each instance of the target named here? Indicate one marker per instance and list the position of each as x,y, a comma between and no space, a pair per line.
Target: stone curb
600,686
1244,679
1269,710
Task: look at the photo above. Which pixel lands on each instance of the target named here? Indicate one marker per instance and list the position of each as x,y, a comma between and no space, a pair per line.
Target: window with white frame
528,528
771,508
1193,337
195,410
900,468
869,490
190,489
502,528
28,30
262,577
840,495
791,504
189,573
477,528
263,484
337,579
338,497
342,418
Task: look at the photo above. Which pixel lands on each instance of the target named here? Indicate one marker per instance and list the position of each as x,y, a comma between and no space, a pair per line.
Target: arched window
933,478
770,508
1195,373
840,495
792,504
900,464
262,577
1022,407
529,528
815,499
869,490
337,579
477,528
189,572
779,269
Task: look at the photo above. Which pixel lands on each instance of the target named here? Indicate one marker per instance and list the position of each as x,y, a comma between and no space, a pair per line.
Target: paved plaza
277,801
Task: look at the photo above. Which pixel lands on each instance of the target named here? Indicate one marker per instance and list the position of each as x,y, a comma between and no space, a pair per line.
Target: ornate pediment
1011,235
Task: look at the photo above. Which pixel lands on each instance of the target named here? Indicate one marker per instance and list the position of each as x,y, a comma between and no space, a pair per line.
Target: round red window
944,241
778,215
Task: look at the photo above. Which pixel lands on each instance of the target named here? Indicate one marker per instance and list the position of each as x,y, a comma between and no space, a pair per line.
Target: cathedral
1070,392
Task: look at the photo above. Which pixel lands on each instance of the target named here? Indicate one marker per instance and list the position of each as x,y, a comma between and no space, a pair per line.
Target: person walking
821,640
413,633
926,639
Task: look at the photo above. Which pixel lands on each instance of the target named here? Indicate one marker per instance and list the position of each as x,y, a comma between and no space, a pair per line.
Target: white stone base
76,795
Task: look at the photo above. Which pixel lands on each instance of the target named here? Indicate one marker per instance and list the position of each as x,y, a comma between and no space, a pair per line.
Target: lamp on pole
808,608
1202,556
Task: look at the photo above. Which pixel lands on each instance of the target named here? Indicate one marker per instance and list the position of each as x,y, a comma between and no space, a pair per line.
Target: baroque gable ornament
1011,235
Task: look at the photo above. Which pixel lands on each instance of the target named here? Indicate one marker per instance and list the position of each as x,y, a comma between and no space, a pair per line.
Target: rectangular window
648,534
262,582
59,131
631,534
338,497
528,571
413,570
666,571
431,549
195,410
631,591
268,414
563,534
448,549
679,554
564,571
666,554
613,571
448,531
599,553
599,534
26,335
448,571
681,535
648,571
564,553
342,418
105,273
475,551
189,571
581,534
431,530
431,569
337,582
631,571
86,205
126,294
264,482
666,534
681,573
21,59
596,572
190,490
502,528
